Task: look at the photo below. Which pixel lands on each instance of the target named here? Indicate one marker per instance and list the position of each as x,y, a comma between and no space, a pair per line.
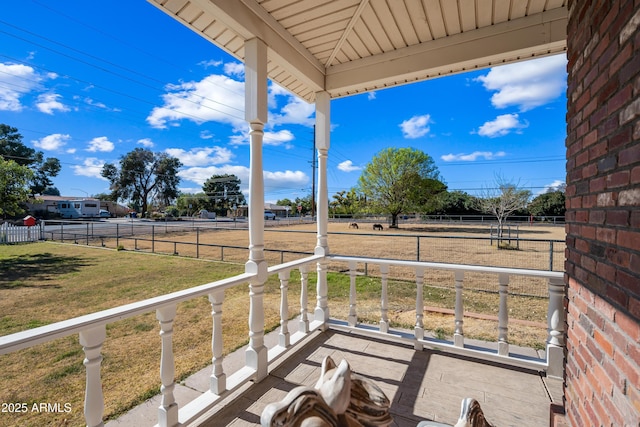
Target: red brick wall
602,376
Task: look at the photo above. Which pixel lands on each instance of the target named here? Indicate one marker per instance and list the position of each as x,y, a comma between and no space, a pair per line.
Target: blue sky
87,82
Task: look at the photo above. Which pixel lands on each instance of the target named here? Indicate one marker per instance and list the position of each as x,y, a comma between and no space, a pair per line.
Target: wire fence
228,242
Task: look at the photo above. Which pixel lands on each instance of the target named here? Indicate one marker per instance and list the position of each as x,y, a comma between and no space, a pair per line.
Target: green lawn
43,283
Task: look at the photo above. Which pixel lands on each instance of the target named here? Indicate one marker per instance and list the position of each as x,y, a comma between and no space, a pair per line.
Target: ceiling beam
347,31
534,35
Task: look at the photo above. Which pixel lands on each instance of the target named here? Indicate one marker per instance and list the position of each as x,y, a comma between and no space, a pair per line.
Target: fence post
418,248
118,237
87,234
62,232
197,242
153,238
550,255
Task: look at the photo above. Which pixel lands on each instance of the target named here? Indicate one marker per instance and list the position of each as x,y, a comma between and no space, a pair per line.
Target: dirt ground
541,247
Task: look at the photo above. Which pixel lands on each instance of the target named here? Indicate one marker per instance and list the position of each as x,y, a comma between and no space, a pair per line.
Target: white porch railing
92,330
553,361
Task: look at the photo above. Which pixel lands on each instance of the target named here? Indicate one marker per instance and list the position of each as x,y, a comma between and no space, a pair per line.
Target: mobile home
79,208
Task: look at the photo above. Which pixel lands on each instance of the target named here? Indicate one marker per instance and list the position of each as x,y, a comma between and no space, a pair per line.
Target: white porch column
323,129
255,72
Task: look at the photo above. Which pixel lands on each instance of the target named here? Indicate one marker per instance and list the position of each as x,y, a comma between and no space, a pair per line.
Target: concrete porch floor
421,385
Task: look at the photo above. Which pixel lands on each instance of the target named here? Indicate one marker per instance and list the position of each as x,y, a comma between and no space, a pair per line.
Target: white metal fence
19,233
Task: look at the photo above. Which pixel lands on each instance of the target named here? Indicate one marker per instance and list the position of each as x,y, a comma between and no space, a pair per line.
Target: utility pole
313,175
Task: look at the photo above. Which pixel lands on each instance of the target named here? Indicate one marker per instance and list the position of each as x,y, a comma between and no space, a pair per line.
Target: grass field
47,282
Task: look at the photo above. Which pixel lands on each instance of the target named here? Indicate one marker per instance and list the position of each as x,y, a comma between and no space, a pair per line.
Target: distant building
46,206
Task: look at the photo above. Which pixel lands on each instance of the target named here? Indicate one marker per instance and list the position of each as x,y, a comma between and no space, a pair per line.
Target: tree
400,180
14,187
548,204
51,191
346,202
12,148
144,177
191,204
304,202
503,200
455,203
223,192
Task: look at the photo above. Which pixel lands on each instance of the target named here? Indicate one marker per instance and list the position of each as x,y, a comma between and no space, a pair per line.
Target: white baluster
91,341
321,312
384,321
555,321
284,340
256,354
303,325
218,381
168,410
353,316
458,334
419,329
503,315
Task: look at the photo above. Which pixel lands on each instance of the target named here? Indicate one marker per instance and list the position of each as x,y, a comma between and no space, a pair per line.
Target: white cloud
416,126
205,134
527,84
295,111
472,157
348,166
281,137
272,180
98,104
100,143
48,103
215,98
17,80
52,142
146,142
91,167
234,69
557,185
502,125
201,156
210,63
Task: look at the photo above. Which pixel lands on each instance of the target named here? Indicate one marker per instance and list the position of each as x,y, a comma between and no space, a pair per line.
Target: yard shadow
33,271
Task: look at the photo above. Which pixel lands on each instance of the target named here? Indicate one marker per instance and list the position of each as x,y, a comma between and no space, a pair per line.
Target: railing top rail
293,264
31,337
453,267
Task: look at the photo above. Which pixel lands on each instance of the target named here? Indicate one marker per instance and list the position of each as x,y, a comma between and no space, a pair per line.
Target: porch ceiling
352,46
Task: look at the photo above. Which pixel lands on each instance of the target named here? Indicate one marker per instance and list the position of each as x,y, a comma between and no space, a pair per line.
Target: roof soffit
352,46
